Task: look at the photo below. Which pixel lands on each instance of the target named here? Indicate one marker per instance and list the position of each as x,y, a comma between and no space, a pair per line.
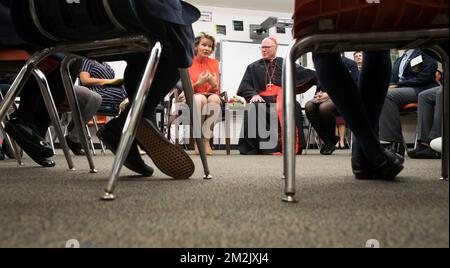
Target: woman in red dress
204,74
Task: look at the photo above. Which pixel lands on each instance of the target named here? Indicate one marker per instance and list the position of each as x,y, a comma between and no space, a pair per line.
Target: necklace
270,84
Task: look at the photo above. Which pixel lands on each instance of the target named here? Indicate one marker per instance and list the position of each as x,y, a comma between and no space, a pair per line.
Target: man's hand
392,86
256,98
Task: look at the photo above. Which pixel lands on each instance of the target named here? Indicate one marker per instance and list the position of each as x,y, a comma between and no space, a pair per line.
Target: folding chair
78,34
11,60
336,26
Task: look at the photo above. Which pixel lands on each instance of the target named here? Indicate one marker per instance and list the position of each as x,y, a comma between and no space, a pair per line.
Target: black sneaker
110,135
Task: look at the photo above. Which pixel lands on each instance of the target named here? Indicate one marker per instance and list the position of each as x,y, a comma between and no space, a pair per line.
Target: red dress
202,64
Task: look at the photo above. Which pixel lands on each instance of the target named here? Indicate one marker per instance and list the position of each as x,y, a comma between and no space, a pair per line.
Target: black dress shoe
390,167
361,168
397,148
45,162
328,148
28,138
75,147
110,135
427,153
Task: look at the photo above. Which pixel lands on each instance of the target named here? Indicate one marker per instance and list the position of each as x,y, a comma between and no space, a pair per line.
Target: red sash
274,90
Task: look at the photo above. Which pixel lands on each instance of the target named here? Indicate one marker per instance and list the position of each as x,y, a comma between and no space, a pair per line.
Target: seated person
261,87
360,105
28,125
429,113
89,102
172,22
411,74
100,78
204,74
321,112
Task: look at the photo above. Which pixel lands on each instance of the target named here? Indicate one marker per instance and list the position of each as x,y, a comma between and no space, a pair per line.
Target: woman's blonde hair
207,36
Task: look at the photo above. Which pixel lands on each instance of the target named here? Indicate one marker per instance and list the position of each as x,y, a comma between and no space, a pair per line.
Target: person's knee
309,107
327,108
199,98
214,99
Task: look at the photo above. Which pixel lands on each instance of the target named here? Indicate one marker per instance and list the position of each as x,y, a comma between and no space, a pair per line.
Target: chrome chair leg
445,111
132,121
75,108
308,138
189,93
50,137
53,113
89,138
11,143
289,126
96,129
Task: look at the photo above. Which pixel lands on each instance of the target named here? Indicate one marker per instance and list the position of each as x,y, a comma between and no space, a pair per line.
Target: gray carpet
240,207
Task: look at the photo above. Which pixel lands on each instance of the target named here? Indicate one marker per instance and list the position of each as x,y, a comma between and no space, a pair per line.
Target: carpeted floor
240,207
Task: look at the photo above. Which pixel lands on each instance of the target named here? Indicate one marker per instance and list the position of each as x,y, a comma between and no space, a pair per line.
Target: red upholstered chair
349,25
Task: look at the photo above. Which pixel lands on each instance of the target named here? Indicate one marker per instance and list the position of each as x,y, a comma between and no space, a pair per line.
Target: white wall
225,16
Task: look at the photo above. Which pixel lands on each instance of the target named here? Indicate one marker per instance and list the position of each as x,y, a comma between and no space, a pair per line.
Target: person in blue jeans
360,105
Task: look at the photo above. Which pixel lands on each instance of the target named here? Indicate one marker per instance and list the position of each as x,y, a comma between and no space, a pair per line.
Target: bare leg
200,101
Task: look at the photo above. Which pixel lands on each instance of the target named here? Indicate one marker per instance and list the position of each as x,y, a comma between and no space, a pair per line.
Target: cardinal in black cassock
261,86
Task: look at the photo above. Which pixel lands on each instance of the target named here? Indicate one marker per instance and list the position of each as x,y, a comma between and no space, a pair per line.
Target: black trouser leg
348,99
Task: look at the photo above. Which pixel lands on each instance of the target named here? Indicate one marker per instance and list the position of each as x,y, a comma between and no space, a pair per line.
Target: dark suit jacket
420,76
352,68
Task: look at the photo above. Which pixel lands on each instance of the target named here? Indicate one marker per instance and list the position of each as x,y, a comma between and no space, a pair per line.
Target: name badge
416,60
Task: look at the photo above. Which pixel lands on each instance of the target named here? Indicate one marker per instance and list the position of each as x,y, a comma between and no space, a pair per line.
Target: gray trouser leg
426,114
390,125
89,102
436,128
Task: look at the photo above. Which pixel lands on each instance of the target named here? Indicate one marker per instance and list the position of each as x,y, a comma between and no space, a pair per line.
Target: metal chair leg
96,129
308,138
12,144
53,113
133,118
50,137
75,108
89,138
289,126
445,111
197,133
